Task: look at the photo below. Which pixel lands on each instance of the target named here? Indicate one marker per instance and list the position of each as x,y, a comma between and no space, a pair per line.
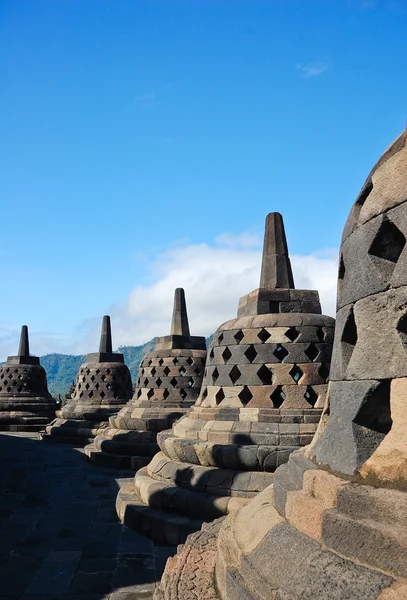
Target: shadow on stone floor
59,533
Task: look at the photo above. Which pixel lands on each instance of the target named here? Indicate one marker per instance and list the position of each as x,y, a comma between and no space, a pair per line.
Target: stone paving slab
60,538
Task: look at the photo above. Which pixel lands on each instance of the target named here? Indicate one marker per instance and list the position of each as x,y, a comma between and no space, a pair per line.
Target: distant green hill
62,368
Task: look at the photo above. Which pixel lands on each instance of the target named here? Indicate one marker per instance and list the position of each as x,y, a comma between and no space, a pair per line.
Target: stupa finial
24,349
275,267
179,325
106,336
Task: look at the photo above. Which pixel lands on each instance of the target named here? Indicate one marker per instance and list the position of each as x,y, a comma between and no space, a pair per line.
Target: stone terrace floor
59,534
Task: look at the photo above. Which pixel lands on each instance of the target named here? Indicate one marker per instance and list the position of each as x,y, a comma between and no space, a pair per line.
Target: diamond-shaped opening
239,335
277,397
312,352
388,242
108,371
263,335
79,386
102,394
320,334
166,393
234,374
139,394
349,333
153,371
190,361
9,389
280,352
251,353
296,373
150,393
159,382
20,377
215,375
92,378
190,382
97,386
183,393
14,382
15,370
19,389
175,361
81,395
80,370
245,395
173,382
292,334
341,270
87,372
310,395
84,379
145,382
374,412
91,394
220,338
87,386
161,362
182,370
265,375
226,354
323,372
198,371
211,353
219,396
97,371
108,386
149,362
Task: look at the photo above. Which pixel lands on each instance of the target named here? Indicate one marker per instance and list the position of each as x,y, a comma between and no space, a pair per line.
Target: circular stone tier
262,397
167,386
25,403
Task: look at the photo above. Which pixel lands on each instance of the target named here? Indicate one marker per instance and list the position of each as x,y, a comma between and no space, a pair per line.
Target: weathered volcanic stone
103,386
334,525
261,398
25,402
168,383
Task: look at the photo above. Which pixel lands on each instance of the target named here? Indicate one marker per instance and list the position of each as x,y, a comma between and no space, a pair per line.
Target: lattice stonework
27,380
170,377
276,366
106,381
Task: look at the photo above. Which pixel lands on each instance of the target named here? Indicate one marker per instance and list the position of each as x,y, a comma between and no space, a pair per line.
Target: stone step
163,527
115,461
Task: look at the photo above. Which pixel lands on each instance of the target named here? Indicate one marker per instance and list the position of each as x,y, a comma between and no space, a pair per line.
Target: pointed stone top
24,349
106,336
105,353
23,357
179,325
275,267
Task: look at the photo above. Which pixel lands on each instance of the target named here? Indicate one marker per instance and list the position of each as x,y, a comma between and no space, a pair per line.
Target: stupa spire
275,267
106,336
24,349
179,325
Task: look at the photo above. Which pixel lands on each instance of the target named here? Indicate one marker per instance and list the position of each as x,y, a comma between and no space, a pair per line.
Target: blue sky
144,142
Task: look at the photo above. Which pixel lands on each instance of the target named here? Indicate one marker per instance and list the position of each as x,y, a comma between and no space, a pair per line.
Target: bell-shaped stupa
168,384
262,397
103,386
25,402
334,525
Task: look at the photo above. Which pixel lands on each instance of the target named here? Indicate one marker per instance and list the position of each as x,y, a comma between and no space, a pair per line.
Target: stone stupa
103,386
25,402
334,526
168,384
262,397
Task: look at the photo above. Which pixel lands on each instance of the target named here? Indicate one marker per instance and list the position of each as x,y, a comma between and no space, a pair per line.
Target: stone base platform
330,538
130,440
170,490
72,431
25,414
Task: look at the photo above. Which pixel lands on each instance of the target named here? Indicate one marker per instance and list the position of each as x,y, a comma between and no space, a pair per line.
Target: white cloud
313,69
214,277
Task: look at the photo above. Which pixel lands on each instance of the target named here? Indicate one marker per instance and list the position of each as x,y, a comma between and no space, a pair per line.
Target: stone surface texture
25,402
262,396
103,386
168,383
60,536
334,523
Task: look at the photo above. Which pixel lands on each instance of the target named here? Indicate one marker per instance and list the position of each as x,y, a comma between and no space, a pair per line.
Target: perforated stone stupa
25,402
168,384
103,386
262,397
335,524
